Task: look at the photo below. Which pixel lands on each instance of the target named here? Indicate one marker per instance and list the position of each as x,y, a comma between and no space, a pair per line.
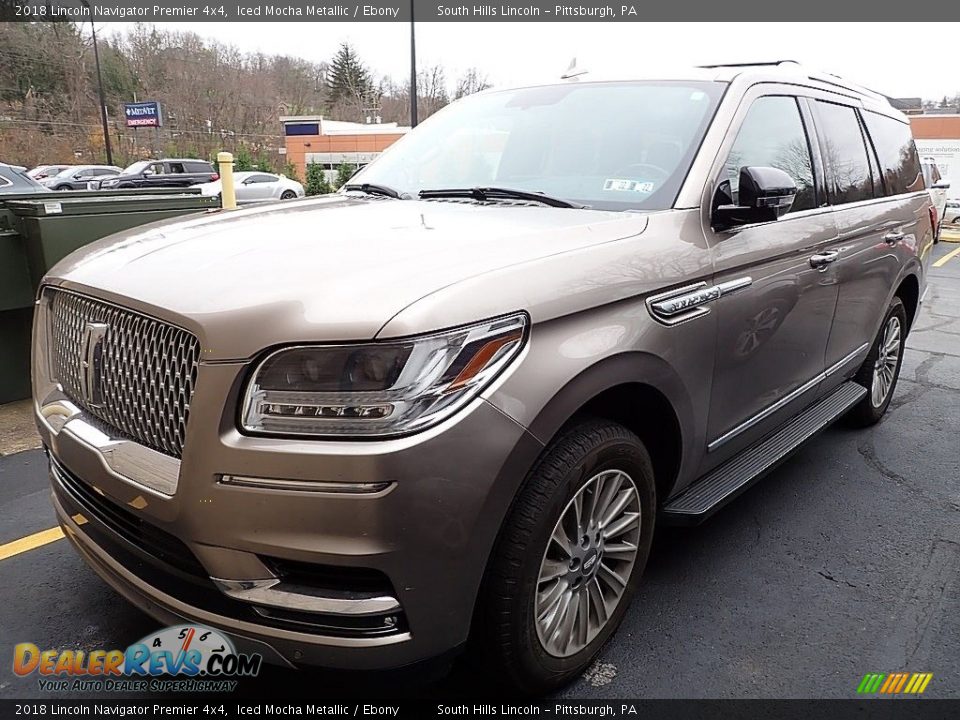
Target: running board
721,485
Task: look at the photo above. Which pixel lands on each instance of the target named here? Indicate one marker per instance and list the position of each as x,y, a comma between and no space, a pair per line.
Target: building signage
143,114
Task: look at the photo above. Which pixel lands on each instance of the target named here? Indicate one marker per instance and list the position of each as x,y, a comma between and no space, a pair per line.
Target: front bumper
354,581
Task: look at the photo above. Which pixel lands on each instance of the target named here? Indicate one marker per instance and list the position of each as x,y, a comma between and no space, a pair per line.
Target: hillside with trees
214,96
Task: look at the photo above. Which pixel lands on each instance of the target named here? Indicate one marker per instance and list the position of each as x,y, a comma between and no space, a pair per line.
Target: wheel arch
909,293
640,391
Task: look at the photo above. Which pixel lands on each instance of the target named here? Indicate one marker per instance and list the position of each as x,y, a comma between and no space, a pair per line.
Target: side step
721,485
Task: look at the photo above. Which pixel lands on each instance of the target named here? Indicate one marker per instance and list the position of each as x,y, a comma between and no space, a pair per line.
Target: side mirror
765,194
942,185
148,172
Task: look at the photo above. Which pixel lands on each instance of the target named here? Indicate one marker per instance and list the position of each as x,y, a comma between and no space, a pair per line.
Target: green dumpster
38,230
16,312
55,227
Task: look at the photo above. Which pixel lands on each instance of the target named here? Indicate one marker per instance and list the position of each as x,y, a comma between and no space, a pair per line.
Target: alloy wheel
588,563
885,367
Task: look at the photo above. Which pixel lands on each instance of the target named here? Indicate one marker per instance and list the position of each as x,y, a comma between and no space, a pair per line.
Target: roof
343,127
776,71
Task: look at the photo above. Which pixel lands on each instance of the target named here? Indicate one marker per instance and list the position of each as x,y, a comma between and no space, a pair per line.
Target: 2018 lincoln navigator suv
444,408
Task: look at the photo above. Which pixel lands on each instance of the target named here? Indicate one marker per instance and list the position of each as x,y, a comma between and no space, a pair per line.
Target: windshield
611,146
136,168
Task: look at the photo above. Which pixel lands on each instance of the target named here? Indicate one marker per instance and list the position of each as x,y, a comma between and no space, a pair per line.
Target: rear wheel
881,368
569,557
287,195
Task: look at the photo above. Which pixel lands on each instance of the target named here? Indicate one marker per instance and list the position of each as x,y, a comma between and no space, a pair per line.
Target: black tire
287,195
60,188
868,411
505,638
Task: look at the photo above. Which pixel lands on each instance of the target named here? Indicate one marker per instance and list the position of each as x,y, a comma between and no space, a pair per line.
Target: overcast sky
515,53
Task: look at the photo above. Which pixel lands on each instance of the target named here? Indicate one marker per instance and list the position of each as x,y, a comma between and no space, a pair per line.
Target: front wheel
568,559
881,368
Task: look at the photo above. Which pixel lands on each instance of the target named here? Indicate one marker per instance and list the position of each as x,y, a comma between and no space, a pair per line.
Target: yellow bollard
228,193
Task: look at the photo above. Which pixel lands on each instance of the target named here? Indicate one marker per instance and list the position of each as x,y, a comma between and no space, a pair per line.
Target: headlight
378,388
109,182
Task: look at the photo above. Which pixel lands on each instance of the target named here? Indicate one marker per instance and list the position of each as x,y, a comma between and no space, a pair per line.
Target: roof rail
837,81
747,64
824,77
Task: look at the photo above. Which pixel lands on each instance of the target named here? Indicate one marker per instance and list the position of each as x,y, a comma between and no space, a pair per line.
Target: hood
330,269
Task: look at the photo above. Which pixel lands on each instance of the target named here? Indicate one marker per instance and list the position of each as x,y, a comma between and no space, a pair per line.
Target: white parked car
938,190
952,212
257,186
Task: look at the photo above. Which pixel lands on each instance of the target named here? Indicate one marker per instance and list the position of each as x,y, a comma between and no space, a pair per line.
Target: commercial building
938,137
330,143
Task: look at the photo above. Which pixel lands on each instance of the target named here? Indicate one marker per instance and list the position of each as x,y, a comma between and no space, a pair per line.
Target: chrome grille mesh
147,369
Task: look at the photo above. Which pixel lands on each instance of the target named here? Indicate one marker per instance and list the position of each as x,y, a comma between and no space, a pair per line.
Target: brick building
311,138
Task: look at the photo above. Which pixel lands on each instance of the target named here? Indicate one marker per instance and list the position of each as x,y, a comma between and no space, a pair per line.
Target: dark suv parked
175,172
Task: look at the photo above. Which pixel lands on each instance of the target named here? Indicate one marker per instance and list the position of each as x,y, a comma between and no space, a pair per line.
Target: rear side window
199,167
845,154
772,135
899,162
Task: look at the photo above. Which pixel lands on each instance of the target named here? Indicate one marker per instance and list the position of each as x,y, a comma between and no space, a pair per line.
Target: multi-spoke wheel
569,557
887,363
587,563
881,368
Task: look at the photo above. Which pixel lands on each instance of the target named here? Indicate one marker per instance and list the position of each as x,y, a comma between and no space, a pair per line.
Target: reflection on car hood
334,268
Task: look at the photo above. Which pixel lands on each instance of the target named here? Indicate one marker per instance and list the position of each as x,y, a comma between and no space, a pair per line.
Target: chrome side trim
319,486
131,462
687,303
267,592
840,364
785,400
766,412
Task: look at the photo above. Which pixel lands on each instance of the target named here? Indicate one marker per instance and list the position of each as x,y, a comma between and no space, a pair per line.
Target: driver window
772,135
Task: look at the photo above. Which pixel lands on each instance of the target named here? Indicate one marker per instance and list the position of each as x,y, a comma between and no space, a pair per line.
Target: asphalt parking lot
844,561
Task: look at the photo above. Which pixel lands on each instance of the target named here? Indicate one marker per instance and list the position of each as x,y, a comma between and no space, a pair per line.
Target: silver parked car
445,408
15,179
255,186
79,176
42,172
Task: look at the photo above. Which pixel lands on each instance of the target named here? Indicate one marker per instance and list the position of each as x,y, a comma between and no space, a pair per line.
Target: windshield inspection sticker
622,185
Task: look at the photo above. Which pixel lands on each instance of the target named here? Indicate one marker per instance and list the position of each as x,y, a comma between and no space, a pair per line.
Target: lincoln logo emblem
92,363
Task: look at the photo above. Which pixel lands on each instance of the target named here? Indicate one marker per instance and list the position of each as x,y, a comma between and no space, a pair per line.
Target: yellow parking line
31,542
943,261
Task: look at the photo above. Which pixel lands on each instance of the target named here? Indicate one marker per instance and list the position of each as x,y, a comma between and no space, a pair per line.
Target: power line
123,130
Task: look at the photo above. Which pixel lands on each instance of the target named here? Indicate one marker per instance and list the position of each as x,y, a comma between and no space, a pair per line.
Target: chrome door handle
820,261
893,237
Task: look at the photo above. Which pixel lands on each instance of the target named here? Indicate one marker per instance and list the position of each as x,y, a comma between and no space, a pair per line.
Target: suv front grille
145,373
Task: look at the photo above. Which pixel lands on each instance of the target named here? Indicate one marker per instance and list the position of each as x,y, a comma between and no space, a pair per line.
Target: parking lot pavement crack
920,610
831,578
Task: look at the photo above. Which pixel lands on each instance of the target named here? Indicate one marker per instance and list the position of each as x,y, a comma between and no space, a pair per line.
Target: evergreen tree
344,173
348,79
316,180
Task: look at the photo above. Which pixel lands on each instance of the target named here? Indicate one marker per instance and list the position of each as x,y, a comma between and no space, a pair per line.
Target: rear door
774,318
875,216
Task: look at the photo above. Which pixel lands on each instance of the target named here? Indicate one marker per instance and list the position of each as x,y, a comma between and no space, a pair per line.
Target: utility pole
103,100
413,70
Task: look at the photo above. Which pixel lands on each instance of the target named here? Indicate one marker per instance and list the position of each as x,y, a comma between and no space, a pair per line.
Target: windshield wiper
483,194
373,189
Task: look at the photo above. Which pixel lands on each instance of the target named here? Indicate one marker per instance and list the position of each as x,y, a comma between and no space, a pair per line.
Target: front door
773,321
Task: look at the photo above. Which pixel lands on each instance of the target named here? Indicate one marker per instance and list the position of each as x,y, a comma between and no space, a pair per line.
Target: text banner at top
101,11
